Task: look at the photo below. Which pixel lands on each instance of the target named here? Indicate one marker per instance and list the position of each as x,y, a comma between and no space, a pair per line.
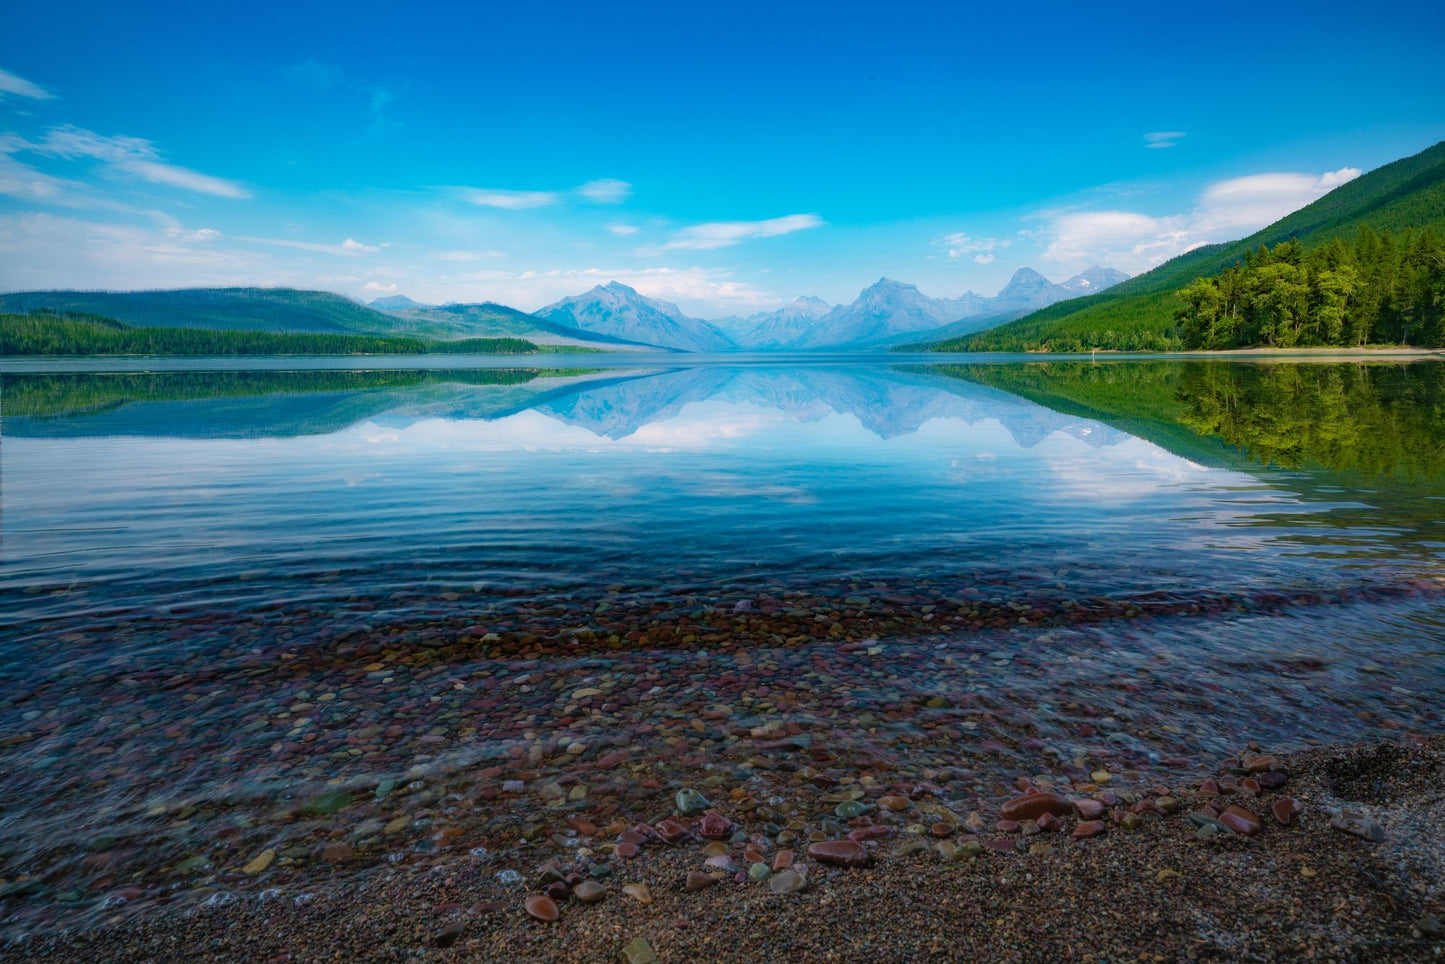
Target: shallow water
224,595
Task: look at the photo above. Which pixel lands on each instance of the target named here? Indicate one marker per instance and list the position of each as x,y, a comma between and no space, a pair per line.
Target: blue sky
728,157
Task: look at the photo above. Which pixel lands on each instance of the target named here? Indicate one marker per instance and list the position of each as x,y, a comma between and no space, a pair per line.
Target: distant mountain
617,310
890,312
1091,280
246,309
769,330
491,320
395,303
883,309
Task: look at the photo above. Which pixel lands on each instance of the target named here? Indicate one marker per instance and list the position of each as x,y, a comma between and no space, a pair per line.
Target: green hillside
1139,313
249,309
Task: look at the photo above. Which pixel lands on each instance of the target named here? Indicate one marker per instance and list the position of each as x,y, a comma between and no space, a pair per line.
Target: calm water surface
250,611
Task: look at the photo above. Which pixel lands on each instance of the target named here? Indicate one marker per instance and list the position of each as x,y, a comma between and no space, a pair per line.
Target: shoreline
1163,890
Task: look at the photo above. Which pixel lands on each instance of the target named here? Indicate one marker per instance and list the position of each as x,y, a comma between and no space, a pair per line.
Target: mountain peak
1025,283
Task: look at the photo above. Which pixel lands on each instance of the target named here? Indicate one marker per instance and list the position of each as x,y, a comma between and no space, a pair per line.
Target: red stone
671,831
1285,808
714,826
542,908
1089,809
1034,805
873,832
1002,845
626,849
1241,821
1050,822
1088,828
1007,826
632,837
840,853
783,860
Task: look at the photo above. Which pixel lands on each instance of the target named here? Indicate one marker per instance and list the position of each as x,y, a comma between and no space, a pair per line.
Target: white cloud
469,255
379,288
22,181
20,87
1256,200
509,200
960,244
349,247
723,234
983,259
1158,139
606,190
622,230
1226,210
132,155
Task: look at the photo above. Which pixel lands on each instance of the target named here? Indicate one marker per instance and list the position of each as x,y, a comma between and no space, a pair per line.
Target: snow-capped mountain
1090,280
768,330
886,313
617,310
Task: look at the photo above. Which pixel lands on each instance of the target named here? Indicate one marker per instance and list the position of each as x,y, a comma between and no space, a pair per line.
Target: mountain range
611,316
883,314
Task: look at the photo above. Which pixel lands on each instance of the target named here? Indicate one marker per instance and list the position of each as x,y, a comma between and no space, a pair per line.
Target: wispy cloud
960,244
1157,139
622,230
130,155
606,190
509,200
20,87
1133,242
724,234
350,247
469,255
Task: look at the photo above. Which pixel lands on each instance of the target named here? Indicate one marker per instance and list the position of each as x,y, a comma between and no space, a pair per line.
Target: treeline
1382,289
51,334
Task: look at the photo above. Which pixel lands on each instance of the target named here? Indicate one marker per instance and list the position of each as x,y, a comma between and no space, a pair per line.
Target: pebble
839,853
638,892
448,935
759,871
1285,809
697,880
638,951
1089,809
589,892
714,826
1358,824
1088,828
1241,821
788,882
542,908
689,801
1034,805
260,862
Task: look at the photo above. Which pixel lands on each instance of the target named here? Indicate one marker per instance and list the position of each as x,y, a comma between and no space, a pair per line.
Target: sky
726,157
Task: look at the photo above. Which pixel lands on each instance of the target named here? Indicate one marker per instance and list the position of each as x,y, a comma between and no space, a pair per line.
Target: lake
250,614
